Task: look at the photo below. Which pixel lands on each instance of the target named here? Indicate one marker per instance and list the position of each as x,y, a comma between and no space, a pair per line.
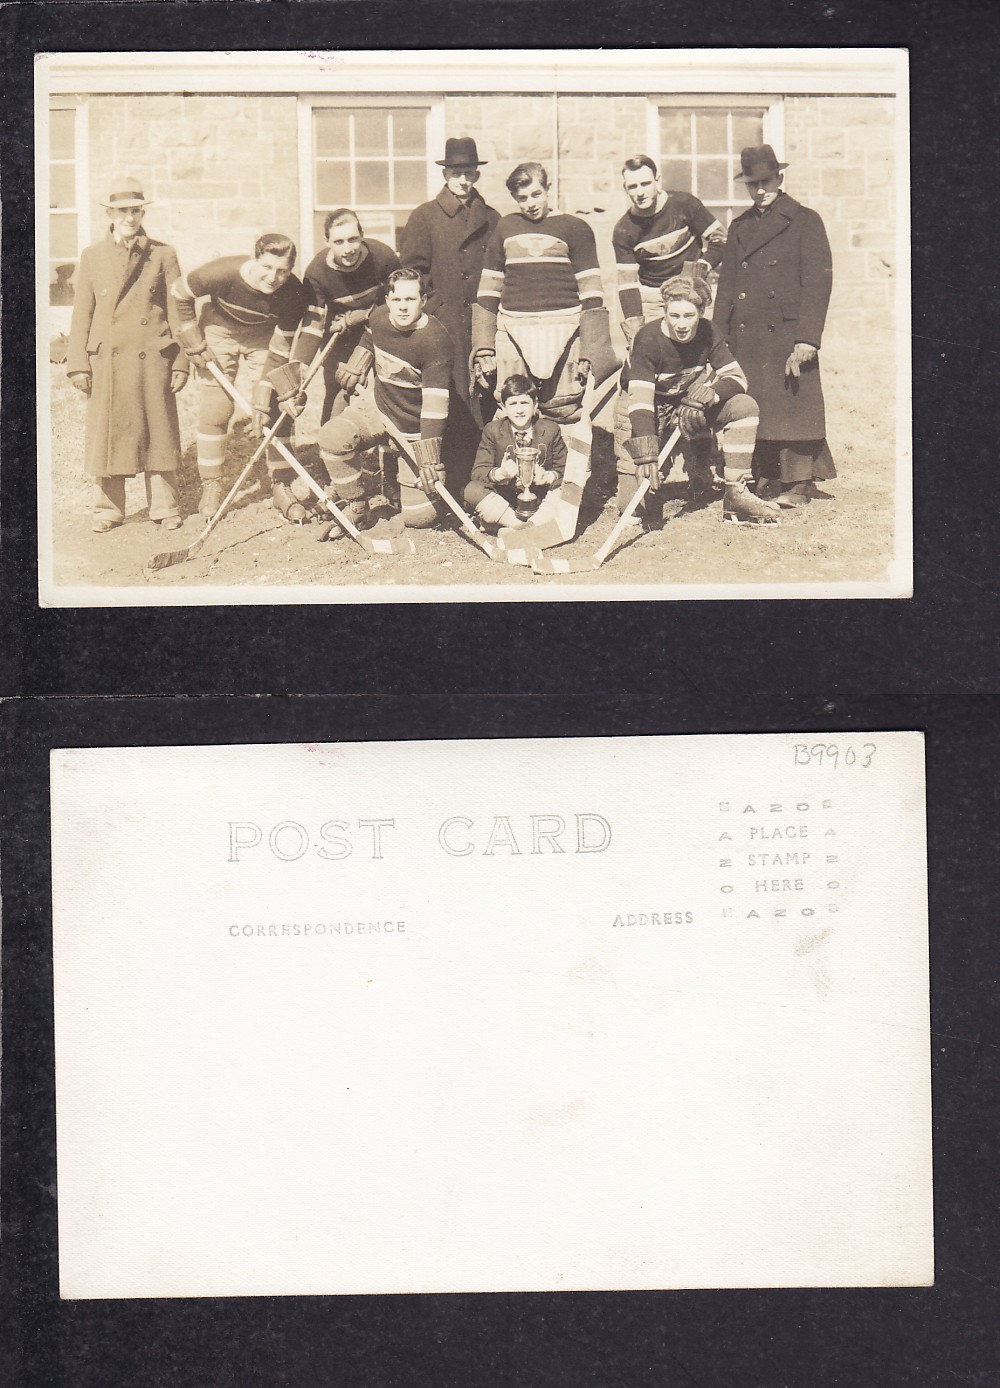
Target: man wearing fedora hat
445,239
771,304
123,355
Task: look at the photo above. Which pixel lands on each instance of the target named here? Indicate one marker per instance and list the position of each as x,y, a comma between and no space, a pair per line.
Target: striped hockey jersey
650,250
242,305
412,372
539,267
661,371
331,291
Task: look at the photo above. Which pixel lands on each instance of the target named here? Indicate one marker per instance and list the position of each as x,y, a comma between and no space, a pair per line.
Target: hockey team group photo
447,340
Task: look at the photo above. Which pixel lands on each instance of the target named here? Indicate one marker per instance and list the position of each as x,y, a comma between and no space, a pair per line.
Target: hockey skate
740,506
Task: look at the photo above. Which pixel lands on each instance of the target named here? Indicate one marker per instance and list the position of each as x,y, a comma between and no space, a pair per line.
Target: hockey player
540,308
254,307
658,233
683,375
410,354
343,284
496,478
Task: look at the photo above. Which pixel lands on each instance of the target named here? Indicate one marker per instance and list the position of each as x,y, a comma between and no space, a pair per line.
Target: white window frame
308,102
61,313
773,123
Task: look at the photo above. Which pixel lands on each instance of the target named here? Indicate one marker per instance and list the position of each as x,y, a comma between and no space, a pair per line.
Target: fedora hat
758,161
460,149
126,192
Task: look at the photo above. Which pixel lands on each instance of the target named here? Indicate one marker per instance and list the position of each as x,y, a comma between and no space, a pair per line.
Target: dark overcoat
774,289
122,331
445,239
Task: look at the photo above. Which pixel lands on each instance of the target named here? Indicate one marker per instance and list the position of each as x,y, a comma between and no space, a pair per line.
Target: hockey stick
543,564
369,546
464,519
179,556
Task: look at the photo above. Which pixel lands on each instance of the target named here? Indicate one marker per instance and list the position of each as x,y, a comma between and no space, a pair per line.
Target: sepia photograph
424,326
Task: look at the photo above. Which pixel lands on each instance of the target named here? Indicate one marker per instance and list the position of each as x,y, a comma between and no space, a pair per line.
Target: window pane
676,175
748,129
711,130
62,185
409,132
62,235
371,132
714,180
675,131
411,182
61,134
331,132
333,183
373,183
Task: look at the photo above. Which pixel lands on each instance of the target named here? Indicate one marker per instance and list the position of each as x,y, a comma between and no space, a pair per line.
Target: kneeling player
682,374
412,358
502,491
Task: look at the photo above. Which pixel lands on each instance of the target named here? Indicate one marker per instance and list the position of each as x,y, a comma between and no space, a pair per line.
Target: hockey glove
262,401
190,337
354,372
691,418
643,451
484,369
427,456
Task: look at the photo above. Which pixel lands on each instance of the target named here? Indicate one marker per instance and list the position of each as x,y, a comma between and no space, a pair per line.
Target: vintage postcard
508,325
483,1016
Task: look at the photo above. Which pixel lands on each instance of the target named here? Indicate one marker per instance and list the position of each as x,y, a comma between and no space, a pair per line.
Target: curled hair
696,291
274,243
637,162
518,385
525,174
407,272
341,214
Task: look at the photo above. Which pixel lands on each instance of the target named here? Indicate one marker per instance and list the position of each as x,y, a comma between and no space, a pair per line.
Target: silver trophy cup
527,458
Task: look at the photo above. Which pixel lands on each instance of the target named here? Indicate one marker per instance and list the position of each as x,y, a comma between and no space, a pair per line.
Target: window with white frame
373,156
699,141
64,222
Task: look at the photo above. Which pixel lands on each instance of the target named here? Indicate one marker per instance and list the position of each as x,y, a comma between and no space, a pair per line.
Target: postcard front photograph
419,326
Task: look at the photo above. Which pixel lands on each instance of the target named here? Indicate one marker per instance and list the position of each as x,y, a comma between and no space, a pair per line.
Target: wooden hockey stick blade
464,519
623,520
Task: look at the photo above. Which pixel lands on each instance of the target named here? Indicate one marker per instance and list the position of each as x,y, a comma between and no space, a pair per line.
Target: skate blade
750,520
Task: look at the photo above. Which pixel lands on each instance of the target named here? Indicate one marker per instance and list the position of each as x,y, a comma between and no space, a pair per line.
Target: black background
553,669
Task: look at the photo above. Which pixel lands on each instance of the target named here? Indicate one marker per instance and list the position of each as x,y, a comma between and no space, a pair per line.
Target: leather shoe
101,527
171,523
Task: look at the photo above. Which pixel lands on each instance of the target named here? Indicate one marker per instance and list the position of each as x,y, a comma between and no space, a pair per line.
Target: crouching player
412,355
497,483
682,374
254,307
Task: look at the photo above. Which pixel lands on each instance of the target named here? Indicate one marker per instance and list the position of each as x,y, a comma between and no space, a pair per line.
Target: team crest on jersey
666,245
526,246
393,370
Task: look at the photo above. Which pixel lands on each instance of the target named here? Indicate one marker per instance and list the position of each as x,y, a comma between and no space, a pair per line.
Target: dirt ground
846,538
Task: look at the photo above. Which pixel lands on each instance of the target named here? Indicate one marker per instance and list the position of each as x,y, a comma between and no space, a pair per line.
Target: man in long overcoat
445,239
771,303
123,354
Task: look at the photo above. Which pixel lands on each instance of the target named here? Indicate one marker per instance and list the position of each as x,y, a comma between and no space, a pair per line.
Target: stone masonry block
881,265
827,144
843,182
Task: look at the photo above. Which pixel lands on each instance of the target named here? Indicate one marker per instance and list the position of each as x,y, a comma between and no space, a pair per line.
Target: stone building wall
841,157
220,169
